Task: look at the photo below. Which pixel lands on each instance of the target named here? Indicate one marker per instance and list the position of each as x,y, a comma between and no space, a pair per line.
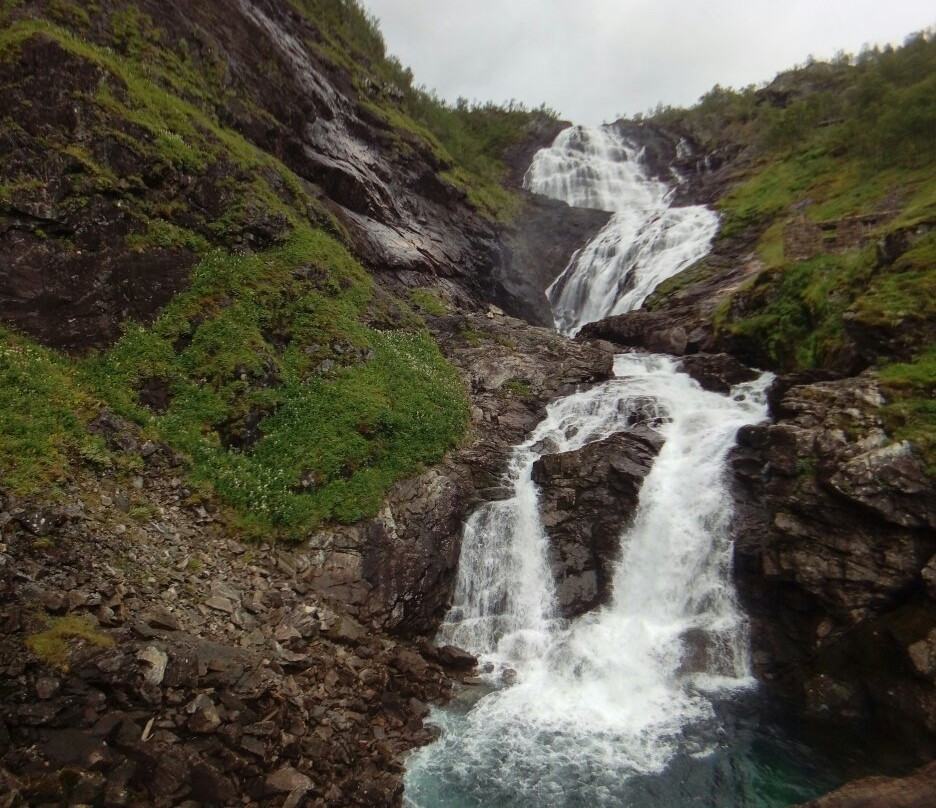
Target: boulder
587,497
717,372
916,790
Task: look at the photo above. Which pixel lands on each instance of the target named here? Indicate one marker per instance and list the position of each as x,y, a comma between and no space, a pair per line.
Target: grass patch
291,409
41,412
63,635
288,405
911,411
515,388
791,317
428,301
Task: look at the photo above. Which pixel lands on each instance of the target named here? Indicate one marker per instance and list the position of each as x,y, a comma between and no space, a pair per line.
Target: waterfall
645,242
620,691
586,712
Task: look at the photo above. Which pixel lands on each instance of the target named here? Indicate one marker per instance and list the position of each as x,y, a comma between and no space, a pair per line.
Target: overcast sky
592,60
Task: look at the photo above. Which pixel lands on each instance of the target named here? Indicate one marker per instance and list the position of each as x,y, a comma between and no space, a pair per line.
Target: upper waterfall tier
646,241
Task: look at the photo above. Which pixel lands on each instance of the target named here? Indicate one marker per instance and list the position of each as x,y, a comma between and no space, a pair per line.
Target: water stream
641,702
645,242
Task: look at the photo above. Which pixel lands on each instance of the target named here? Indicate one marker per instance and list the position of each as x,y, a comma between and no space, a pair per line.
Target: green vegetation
159,110
289,407
428,301
41,412
911,413
266,374
55,645
515,388
840,155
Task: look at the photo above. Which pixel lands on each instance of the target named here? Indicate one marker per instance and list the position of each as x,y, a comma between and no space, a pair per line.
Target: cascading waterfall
614,693
645,242
592,711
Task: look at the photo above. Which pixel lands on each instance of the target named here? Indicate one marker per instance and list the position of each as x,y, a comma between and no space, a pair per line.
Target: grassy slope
852,139
284,400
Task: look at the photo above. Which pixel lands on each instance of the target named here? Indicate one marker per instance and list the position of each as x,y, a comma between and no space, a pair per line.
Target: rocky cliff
825,285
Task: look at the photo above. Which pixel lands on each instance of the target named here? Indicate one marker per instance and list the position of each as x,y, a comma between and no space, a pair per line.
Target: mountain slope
180,188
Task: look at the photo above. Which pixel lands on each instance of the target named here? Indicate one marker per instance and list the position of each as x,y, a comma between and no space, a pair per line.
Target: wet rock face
77,247
833,557
536,249
587,497
69,278
717,372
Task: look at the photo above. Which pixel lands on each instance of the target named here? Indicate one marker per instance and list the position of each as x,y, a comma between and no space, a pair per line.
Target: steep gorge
241,154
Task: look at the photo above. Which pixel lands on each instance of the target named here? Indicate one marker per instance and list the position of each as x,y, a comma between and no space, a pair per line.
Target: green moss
428,301
153,102
472,336
699,271
902,293
160,233
339,410
54,646
911,409
515,388
791,316
41,405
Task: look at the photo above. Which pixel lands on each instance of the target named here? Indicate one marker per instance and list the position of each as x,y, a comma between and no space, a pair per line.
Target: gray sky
592,60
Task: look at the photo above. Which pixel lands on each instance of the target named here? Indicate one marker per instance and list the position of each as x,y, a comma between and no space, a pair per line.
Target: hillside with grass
195,221
827,183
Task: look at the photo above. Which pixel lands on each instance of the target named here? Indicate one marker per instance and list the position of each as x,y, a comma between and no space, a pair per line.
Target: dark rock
834,533
287,780
161,617
913,791
66,747
209,785
587,497
205,717
40,522
537,249
452,657
717,372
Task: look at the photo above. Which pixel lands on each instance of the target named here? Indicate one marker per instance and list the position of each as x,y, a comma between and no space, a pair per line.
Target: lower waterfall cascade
625,705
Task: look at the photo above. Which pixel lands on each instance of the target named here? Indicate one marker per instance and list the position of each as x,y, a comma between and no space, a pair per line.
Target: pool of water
736,760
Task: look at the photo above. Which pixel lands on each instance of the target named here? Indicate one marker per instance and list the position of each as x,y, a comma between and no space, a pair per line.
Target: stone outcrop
717,372
684,324
587,497
397,571
914,791
835,542
537,247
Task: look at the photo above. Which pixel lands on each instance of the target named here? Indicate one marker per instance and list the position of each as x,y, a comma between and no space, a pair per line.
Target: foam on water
617,692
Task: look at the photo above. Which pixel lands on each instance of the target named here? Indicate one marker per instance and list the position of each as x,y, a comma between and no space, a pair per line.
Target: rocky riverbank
151,659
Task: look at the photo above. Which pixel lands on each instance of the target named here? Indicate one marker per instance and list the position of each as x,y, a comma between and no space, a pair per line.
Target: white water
605,696
576,710
644,243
